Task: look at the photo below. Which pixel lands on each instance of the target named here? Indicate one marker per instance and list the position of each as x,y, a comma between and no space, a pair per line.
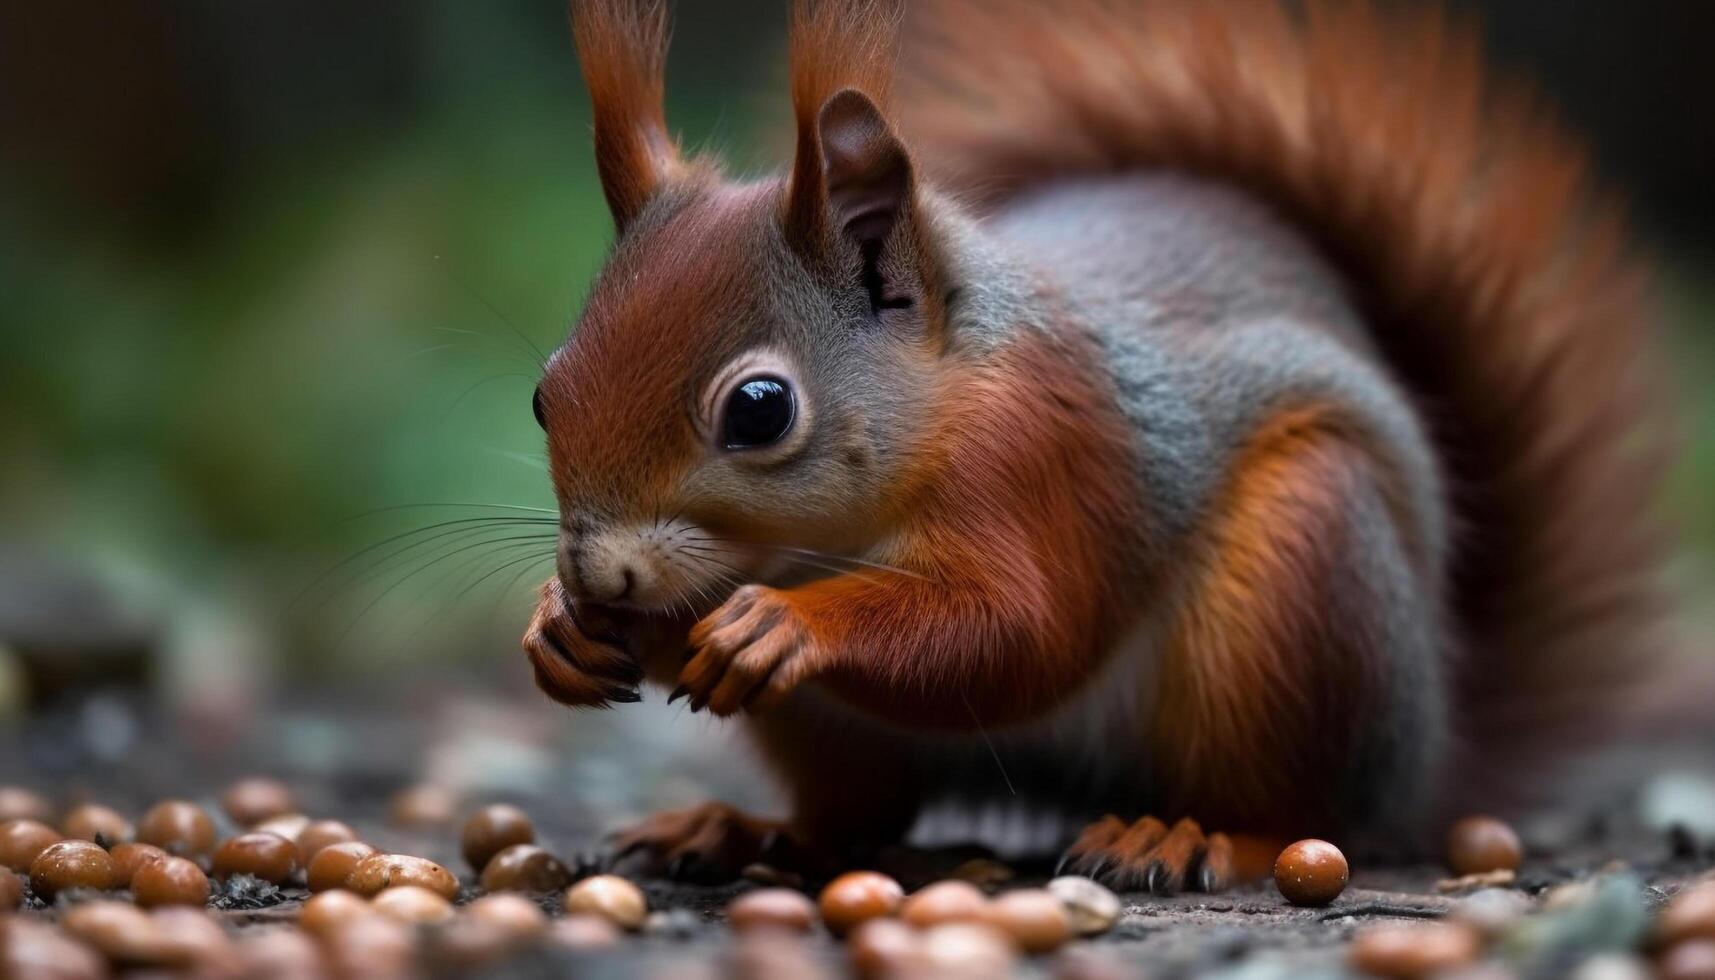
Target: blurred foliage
345,310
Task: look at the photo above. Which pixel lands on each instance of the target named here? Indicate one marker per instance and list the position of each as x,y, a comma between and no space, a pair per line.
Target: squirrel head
754,370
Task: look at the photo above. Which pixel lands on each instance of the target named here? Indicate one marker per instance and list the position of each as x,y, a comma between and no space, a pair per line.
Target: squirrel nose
599,576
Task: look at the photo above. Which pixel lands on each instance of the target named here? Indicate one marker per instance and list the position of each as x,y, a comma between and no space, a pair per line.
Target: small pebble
319,834
327,910
413,905
22,839
1689,915
1411,952
610,896
1033,917
884,948
267,856
422,806
178,827
1478,844
251,801
1311,872
942,902
133,856
1093,908
91,821
583,931
378,872
11,892
73,864
525,868
514,915
856,897
771,908
1693,960
18,803
1491,911
335,863
493,829
967,949
169,881
36,949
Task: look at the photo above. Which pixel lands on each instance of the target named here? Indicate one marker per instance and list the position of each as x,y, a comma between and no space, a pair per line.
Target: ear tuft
622,48
866,172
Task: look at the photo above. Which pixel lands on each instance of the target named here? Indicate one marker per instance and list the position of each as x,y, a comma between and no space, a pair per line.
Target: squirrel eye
536,407
758,412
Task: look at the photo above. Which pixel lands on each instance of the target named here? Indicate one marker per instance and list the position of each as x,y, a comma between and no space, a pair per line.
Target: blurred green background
274,274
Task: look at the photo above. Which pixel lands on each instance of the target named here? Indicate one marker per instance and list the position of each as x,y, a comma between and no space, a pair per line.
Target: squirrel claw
1150,856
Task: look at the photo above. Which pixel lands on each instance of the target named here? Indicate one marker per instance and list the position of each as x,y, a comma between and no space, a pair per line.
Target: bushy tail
1497,282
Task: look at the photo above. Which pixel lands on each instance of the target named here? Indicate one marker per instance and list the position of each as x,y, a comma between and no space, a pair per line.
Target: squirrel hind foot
711,843
1147,855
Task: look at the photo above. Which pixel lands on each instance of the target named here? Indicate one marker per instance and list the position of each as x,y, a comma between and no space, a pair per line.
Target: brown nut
73,864
267,856
178,827
280,954
1690,915
512,915
22,839
18,803
856,897
251,801
413,905
370,946
335,863
583,931
197,938
11,892
610,896
884,948
1311,872
132,856
1693,960
967,949
169,881
423,805
771,908
493,829
330,909
1034,918
93,822
525,868
287,825
37,949
1093,908
319,834
122,932
1476,845
379,872
944,901
1411,952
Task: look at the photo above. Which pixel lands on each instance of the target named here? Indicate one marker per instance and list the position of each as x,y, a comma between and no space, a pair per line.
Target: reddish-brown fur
1498,281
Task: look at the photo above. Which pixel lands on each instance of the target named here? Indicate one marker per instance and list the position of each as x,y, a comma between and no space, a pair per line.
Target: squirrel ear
860,191
622,48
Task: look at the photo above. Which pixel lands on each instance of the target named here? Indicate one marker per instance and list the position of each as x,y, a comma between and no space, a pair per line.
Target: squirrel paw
748,654
1150,856
573,666
710,843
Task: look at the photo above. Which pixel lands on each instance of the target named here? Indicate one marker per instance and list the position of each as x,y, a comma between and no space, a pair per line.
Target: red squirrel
1157,415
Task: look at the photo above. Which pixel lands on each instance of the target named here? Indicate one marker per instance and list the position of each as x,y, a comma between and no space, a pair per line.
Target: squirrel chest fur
1133,445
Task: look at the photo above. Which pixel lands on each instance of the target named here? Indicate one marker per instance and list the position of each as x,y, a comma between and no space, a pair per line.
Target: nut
251,801
334,863
413,905
1092,908
177,827
320,834
856,897
1690,915
18,803
94,822
967,949
884,948
1479,844
424,805
22,839
329,909
169,881
1034,918
493,829
1311,872
1410,952
525,868
610,896
378,872
944,901
265,855
73,864
771,908
132,856
584,932
513,915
